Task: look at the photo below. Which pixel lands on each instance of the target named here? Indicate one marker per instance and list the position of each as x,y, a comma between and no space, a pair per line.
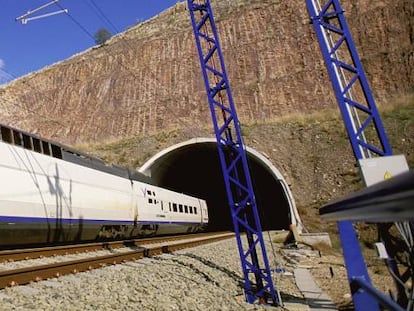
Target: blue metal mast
359,112
258,283
349,82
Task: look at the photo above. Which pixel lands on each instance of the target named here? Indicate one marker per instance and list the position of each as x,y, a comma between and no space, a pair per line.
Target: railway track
121,251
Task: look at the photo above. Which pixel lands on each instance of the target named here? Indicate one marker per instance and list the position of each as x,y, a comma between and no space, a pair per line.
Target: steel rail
33,253
41,272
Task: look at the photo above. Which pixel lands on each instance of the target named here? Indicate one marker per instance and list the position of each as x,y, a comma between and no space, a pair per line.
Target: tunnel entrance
193,168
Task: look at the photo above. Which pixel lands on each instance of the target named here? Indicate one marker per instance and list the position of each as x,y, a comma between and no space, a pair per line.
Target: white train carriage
50,193
178,213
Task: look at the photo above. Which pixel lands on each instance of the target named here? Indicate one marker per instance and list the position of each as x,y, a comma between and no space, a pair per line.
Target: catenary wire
101,15
32,111
27,82
92,37
36,88
104,18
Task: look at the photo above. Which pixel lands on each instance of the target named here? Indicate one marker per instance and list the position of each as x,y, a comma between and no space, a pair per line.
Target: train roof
35,143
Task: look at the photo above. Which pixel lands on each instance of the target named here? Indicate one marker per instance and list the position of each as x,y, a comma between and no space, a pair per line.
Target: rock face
148,78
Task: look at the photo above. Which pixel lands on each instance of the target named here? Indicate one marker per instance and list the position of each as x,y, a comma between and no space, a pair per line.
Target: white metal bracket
25,17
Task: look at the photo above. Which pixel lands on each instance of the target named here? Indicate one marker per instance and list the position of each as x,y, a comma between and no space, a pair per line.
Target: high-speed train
50,193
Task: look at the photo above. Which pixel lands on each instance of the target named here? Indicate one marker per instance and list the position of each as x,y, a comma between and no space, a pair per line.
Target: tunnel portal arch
193,167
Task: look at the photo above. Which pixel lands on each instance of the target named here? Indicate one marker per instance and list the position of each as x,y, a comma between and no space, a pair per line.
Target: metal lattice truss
365,131
258,280
358,109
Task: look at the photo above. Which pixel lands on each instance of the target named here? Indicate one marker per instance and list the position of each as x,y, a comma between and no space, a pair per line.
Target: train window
17,138
56,151
36,145
46,147
174,207
169,206
150,201
180,207
27,142
153,193
195,210
148,192
6,135
191,209
186,209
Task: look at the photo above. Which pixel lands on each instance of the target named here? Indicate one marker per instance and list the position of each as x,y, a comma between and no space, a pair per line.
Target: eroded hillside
312,152
147,79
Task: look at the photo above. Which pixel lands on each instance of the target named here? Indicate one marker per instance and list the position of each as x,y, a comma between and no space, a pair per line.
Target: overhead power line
25,107
101,15
103,46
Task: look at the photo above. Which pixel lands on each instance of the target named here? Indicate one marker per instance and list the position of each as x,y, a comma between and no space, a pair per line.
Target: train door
204,212
165,210
136,203
134,209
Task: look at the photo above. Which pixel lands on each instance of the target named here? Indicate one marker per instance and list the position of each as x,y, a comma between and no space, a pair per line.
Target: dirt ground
328,269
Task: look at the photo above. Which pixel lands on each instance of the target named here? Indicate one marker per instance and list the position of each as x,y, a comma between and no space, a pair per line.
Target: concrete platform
293,306
316,299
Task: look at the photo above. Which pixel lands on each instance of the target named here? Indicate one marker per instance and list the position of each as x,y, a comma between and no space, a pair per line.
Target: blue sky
41,42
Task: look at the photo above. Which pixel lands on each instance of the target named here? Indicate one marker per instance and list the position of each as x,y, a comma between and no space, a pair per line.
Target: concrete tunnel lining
193,167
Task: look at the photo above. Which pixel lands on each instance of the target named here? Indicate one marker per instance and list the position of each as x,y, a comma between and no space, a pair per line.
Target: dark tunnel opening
195,170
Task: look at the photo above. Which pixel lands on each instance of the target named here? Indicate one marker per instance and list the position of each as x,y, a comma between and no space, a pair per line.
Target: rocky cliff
148,77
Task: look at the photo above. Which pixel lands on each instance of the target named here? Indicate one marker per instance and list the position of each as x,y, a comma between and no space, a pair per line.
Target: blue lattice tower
255,264
359,112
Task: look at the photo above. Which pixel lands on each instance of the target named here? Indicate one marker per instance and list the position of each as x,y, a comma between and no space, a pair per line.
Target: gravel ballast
207,277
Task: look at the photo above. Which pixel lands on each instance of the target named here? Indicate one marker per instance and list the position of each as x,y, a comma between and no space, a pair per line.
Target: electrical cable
32,111
227,100
403,227
85,30
101,15
405,230
36,88
76,22
26,108
104,18
6,76
92,37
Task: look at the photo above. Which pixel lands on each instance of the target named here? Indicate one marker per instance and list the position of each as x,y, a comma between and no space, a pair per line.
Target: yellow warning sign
387,175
